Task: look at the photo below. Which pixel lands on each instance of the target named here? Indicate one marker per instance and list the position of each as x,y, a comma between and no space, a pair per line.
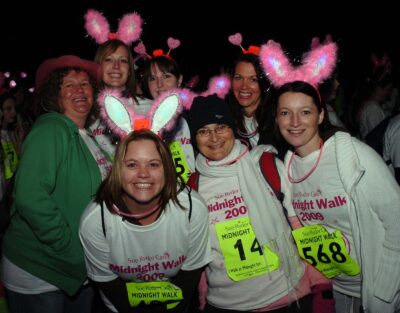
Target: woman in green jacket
59,172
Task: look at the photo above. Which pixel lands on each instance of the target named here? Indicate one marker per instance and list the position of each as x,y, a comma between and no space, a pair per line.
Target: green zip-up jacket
57,177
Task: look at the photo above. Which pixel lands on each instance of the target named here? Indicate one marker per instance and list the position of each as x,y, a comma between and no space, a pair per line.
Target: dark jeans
304,306
51,302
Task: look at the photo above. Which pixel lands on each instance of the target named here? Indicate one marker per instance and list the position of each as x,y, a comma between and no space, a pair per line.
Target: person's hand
323,301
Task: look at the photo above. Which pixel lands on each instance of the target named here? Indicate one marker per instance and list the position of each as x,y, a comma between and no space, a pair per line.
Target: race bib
181,165
154,292
10,159
326,252
243,255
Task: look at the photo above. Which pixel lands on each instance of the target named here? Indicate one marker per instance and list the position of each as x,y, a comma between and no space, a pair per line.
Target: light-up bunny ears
236,39
172,44
122,118
317,64
219,85
129,27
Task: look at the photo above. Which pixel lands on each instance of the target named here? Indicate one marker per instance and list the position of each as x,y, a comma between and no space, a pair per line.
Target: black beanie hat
209,110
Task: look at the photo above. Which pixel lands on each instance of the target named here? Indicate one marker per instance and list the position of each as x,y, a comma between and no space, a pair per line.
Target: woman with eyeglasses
255,264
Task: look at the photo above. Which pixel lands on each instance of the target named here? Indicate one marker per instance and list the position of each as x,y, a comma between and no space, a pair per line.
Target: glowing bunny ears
236,39
129,27
121,117
172,44
317,64
219,85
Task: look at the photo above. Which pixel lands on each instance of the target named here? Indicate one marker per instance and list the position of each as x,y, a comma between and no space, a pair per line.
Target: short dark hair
165,64
48,94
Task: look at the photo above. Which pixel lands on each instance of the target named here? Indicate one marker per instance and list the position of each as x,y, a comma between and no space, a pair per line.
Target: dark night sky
202,29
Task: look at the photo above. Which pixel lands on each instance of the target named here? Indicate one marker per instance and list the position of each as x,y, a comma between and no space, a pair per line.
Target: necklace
246,135
299,180
136,216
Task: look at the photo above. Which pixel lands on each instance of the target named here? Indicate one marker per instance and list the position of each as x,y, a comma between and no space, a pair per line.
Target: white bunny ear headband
123,119
317,65
129,27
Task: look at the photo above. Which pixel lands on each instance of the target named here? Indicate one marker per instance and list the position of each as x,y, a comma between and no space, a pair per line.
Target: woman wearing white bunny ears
343,192
145,241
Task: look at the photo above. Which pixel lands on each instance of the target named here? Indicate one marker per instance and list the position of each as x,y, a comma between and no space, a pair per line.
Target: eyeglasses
219,129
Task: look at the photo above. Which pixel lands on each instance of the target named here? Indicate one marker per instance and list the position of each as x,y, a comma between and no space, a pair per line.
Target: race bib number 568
326,252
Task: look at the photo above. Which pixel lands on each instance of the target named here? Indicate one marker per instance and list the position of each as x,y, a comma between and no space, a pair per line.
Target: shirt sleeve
382,194
95,245
199,253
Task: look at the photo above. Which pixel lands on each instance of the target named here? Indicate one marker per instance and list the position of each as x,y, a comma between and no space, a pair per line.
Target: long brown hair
108,48
110,191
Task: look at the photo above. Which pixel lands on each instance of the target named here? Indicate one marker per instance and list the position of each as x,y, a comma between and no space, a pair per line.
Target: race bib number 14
243,255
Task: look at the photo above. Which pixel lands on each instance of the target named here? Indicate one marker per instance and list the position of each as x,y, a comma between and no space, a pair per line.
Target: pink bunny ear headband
317,64
220,85
171,42
129,27
236,39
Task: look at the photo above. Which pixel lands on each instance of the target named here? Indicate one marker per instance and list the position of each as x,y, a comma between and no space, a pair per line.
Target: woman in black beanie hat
209,110
255,264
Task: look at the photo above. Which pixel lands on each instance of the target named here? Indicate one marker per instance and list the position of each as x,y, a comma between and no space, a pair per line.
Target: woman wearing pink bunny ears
117,64
343,193
250,96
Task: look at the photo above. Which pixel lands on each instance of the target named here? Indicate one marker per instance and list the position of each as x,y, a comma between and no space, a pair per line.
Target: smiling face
76,97
246,87
298,119
215,146
160,81
115,68
142,176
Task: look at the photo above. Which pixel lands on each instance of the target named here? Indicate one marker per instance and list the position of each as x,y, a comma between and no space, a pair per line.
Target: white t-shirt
103,136
321,199
333,117
391,142
251,125
154,252
371,115
225,203
102,160
181,133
